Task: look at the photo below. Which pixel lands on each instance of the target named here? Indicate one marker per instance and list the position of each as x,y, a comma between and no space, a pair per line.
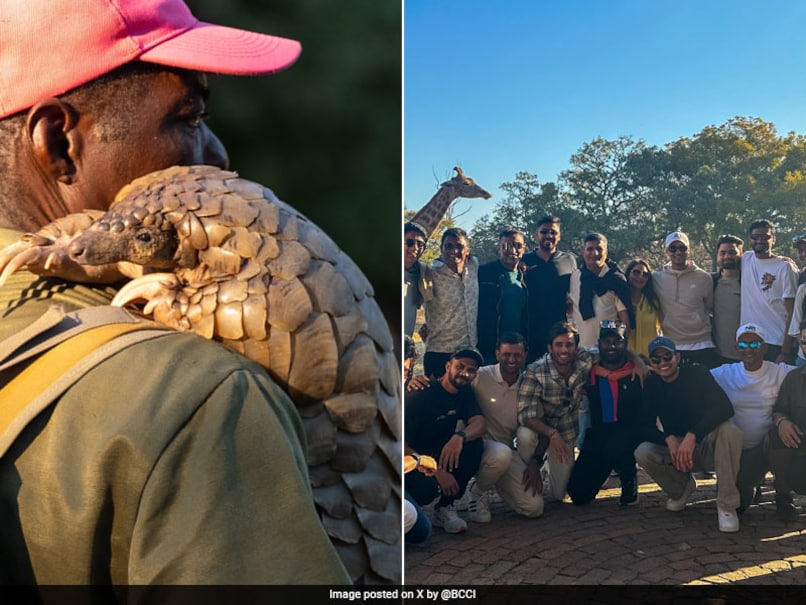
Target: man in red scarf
615,400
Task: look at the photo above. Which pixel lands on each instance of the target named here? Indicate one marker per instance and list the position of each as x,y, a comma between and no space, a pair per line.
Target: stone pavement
605,544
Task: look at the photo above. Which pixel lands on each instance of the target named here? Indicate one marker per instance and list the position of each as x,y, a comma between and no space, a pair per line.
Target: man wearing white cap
769,284
752,386
686,295
174,460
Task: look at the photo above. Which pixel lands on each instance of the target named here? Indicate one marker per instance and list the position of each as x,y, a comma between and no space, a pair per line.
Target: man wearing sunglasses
686,295
752,386
769,284
686,426
787,452
415,287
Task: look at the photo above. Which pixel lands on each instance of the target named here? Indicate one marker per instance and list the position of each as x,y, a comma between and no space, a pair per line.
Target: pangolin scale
242,267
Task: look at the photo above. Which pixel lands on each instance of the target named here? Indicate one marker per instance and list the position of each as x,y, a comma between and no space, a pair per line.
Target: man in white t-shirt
769,283
752,386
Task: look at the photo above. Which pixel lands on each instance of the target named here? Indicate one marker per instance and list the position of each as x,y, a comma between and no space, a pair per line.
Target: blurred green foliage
326,134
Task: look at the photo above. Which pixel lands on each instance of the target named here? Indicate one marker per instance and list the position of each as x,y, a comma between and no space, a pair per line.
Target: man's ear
50,128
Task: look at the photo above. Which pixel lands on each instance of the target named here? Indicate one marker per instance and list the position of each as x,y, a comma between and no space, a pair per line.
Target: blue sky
501,87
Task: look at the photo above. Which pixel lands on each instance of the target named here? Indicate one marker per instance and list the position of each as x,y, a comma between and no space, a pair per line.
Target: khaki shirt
175,461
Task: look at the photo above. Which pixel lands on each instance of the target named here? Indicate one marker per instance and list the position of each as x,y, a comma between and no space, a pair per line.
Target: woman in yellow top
646,305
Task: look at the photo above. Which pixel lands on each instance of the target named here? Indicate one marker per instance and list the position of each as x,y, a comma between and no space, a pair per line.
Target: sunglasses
639,273
756,344
412,243
451,246
680,248
761,236
666,357
512,246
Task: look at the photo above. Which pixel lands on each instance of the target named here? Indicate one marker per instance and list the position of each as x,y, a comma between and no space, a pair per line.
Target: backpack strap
56,360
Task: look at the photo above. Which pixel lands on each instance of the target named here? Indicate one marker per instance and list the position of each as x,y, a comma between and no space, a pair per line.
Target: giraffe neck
428,216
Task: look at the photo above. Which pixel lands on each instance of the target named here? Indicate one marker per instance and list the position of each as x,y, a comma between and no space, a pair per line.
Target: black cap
610,326
467,351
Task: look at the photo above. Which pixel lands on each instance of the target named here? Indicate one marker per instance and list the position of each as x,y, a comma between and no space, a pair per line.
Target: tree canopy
715,182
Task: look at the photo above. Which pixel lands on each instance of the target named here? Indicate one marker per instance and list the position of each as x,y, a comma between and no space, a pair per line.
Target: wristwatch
462,435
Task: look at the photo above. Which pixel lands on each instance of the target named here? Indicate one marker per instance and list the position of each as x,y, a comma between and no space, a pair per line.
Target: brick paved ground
605,544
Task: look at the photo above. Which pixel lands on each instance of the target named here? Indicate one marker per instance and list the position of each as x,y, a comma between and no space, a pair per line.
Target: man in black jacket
685,426
502,294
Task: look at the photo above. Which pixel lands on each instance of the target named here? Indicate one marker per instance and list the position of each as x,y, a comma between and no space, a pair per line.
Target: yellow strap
35,379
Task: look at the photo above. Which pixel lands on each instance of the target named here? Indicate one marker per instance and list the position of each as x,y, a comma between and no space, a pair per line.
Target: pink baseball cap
48,48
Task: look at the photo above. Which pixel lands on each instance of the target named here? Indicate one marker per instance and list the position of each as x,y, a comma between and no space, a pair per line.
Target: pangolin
238,265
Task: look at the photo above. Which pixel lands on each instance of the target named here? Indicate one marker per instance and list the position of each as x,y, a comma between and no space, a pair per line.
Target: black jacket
489,317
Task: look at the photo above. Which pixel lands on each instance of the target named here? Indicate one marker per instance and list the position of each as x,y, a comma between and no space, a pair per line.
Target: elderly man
769,283
431,417
686,295
137,476
548,275
502,294
787,453
752,386
685,426
451,312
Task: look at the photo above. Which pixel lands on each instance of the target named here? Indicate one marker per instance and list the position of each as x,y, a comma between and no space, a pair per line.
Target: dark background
326,134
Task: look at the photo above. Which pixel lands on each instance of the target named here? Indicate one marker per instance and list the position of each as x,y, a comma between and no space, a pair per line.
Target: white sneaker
678,504
463,502
728,520
446,518
478,509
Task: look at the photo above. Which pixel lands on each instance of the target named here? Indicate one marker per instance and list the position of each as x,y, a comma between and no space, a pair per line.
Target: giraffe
428,217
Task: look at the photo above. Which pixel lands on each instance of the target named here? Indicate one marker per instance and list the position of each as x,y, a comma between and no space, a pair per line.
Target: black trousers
606,447
425,489
753,465
788,465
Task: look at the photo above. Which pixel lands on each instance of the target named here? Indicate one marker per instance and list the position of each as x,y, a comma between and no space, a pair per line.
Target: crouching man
686,426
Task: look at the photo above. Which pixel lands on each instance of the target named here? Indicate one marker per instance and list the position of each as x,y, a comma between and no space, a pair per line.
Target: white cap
750,328
677,236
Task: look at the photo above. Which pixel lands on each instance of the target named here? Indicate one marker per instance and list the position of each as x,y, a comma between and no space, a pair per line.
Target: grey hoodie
686,300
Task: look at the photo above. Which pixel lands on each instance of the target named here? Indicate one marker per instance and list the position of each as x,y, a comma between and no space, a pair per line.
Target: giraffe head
464,186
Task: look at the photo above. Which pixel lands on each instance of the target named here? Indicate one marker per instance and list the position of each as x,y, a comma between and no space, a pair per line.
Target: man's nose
213,150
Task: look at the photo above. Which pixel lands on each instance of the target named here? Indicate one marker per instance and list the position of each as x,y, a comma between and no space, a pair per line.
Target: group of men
544,362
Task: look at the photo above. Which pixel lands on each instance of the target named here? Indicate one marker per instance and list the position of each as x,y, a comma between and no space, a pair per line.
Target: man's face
548,236
562,349
665,364
752,349
510,250
762,240
413,248
594,254
612,349
728,255
801,248
461,372
511,357
455,252
678,255
170,130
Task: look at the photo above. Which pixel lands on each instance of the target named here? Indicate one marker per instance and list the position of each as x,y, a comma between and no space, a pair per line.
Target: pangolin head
118,236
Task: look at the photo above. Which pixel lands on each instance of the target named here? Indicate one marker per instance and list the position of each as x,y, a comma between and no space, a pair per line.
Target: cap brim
225,50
